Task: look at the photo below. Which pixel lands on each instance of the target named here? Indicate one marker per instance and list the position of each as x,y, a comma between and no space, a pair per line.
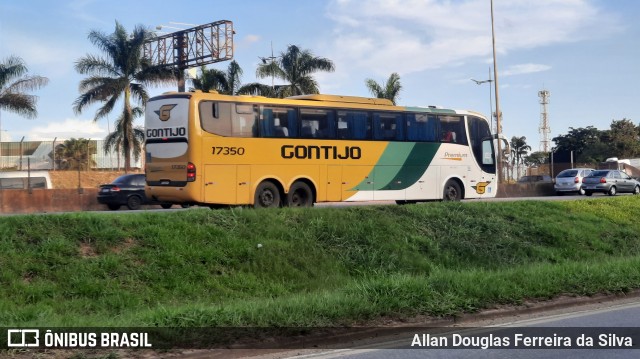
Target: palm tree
295,66
389,89
123,73
226,83
14,82
519,149
115,140
75,154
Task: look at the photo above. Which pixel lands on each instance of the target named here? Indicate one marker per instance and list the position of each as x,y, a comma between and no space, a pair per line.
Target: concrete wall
85,199
49,200
525,190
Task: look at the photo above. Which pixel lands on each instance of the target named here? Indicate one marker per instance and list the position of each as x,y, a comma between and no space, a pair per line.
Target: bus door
227,184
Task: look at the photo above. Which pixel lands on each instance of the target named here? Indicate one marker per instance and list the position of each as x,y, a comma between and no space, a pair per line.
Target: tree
519,149
390,89
578,139
227,83
75,154
623,139
536,158
296,67
122,74
115,140
14,84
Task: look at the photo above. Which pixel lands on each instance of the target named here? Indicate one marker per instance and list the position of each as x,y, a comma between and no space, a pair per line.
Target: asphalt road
608,324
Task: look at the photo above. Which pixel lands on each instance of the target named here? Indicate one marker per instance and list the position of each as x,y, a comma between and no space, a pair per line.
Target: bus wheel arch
268,194
453,190
302,193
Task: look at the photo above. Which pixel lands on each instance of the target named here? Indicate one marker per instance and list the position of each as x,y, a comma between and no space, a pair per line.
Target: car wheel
636,190
113,207
588,193
581,191
134,203
166,205
452,191
612,191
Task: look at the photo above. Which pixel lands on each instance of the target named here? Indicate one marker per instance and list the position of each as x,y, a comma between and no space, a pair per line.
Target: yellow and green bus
217,150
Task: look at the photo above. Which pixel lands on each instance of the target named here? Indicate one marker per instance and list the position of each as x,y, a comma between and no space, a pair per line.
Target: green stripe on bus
400,166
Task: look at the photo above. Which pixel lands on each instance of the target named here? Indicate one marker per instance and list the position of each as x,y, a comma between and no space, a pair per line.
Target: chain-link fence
62,155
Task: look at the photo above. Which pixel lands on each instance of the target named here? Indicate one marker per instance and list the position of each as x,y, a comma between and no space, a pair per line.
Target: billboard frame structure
193,47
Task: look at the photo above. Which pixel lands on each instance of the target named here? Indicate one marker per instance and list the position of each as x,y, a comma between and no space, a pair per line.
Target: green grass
311,267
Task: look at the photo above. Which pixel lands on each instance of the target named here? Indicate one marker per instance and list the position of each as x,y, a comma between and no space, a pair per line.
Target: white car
570,181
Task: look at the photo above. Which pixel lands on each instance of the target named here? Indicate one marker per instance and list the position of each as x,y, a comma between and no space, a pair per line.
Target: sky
584,52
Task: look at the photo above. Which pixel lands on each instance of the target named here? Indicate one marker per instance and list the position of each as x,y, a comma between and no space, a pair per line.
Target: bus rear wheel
300,195
452,191
267,196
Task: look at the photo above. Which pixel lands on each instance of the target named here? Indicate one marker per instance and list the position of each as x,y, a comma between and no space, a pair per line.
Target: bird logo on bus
164,113
481,187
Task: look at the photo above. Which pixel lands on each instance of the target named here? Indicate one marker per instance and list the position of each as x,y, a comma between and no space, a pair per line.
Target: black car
126,190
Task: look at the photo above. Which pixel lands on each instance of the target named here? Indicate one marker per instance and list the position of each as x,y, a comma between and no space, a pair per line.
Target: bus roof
347,99
329,100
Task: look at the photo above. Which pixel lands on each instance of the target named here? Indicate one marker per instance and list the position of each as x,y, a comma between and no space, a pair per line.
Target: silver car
570,180
609,182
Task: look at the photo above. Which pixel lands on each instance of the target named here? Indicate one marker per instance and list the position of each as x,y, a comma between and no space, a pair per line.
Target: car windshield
598,174
568,173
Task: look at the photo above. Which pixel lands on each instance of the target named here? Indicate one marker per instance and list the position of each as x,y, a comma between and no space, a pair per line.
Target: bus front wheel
452,191
267,196
300,195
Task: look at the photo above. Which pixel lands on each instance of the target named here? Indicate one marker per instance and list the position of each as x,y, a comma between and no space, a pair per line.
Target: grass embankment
310,267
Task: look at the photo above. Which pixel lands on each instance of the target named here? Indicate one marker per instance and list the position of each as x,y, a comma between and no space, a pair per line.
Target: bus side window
243,121
215,117
453,129
388,126
422,127
278,122
354,125
317,123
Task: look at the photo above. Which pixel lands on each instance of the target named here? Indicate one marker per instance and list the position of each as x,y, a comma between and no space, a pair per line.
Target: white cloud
251,38
43,56
69,128
524,69
406,36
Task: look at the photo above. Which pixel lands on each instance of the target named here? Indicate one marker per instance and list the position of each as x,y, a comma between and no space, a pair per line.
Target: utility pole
498,112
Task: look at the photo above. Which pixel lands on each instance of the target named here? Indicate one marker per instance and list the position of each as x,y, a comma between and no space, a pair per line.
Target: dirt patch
87,251
86,179
126,245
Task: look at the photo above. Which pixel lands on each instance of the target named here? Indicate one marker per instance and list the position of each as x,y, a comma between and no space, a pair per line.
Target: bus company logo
481,187
164,113
321,152
22,338
454,156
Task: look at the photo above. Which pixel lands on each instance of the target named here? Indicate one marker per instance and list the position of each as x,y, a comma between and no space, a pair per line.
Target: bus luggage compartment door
227,184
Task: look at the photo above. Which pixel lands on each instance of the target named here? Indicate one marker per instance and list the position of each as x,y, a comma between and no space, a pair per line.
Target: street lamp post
489,81
270,60
498,113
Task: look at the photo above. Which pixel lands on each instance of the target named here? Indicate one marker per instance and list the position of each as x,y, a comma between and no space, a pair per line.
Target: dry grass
88,179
